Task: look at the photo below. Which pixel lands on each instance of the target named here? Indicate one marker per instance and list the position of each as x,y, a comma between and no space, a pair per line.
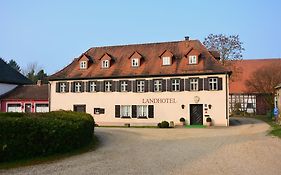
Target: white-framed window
107,86
93,86
194,84
62,87
142,111
193,59
14,107
77,87
213,84
125,111
42,107
140,86
135,62
124,85
175,84
105,64
83,64
166,61
157,85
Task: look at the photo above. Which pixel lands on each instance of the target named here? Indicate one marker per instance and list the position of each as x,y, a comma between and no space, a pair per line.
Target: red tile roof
247,67
151,64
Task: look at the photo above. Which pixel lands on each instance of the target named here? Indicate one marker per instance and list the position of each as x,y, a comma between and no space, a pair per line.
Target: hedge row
40,134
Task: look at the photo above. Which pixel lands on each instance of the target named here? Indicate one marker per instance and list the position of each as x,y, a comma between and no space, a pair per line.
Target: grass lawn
51,158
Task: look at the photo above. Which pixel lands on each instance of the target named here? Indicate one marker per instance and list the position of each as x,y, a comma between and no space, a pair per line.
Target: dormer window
83,64
166,61
193,59
135,62
105,64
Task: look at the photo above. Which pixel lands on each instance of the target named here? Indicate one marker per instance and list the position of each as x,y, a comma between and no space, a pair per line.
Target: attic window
166,61
83,64
135,62
193,59
105,64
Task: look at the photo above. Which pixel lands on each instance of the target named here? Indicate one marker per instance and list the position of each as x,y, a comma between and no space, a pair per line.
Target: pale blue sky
53,32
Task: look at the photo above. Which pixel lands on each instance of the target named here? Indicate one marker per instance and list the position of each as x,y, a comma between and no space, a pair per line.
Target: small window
135,62
41,107
93,86
107,86
126,111
175,84
99,111
79,108
83,64
166,61
213,84
192,59
124,86
140,86
157,85
194,84
105,64
77,86
142,111
62,87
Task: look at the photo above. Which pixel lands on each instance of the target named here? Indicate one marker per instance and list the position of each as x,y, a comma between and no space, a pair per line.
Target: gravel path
241,149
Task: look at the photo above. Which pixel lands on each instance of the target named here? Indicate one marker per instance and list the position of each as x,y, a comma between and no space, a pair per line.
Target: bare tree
34,72
264,80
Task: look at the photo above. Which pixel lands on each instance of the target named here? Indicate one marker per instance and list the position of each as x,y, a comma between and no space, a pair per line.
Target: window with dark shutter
102,86
129,86
181,84
118,86
82,86
135,86
164,85
206,84
151,86
67,87
150,111
57,87
219,83
98,85
117,111
169,85
72,86
87,86
134,111
187,84
200,84
145,85
113,86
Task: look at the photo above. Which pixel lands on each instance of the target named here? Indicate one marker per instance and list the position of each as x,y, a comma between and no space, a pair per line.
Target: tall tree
14,65
264,80
34,73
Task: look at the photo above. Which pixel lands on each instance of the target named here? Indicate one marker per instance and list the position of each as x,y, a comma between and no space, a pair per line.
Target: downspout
227,98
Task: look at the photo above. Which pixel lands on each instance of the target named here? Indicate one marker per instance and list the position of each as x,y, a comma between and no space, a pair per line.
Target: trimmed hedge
40,134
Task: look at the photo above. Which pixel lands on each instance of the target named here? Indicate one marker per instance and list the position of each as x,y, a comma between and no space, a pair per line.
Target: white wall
4,88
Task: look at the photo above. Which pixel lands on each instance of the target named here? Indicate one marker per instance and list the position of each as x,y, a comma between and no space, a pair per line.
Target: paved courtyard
243,148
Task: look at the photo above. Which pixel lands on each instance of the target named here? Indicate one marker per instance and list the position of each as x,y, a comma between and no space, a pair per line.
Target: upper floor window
135,62
175,84
83,64
105,64
77,86
193,59
93,86
213,84
124,85
157,85
166,61
62,87
107,86
140,86
194,84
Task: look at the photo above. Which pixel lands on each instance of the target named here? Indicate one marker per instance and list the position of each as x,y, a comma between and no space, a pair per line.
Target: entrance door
27,107
196,114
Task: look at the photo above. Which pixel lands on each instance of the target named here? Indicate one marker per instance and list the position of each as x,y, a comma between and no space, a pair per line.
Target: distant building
278,97
143,84
26,98
240,97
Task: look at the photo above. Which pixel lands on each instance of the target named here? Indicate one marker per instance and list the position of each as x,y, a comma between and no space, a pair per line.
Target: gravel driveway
240,149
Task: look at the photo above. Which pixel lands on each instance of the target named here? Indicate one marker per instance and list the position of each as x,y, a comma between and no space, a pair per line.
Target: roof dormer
84,61
167,58
136,59
106,61
192,56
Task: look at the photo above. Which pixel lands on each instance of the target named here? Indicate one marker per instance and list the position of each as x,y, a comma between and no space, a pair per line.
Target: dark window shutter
118,86
112,88
87,86
206,84
164,85
219,83
67,87
102,86
135,86
145,85
117,111
98,84
72,86
169,85
150,111
134,111
82,86
129,86
57,87
200,84
181,84
187,84
151,86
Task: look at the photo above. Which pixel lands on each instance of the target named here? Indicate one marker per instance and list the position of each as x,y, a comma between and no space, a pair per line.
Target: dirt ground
244,148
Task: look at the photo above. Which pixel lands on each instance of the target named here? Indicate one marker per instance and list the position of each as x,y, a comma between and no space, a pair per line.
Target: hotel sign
158,100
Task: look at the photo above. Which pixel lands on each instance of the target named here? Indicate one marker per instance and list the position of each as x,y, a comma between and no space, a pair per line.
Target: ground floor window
41,107
14,107
134,111
142,111
99,111
79,108
126,111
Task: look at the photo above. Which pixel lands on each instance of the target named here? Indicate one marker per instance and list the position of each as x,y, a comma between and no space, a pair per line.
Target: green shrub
163,124
39,134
